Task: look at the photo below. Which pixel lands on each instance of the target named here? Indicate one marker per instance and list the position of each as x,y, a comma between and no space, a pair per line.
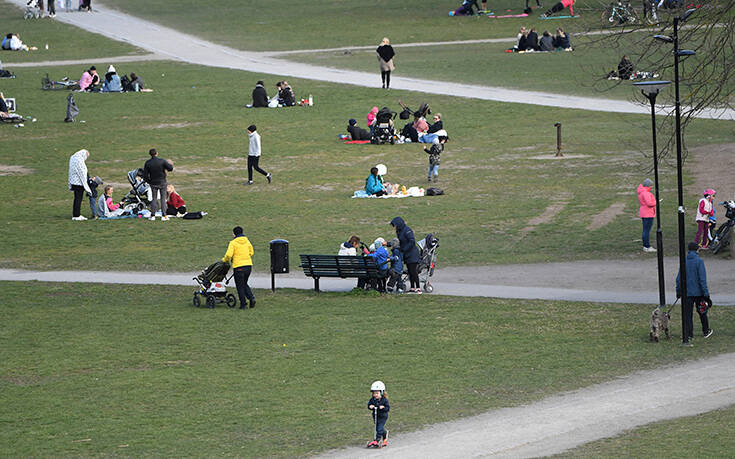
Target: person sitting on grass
560,6
136,80
561,40
532,40
4,110
374,183
175,205
438,125
520,40
356,131
260,97
106,207
625,68
12,42
112,81
287,95
89,80
547,42
466,9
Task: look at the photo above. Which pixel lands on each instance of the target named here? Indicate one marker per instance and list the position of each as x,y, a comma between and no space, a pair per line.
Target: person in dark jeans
254,155
78,182
697,294
410,252
154,172
240,252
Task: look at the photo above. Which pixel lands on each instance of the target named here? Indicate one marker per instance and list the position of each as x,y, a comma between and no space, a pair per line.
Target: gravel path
106,60
168,42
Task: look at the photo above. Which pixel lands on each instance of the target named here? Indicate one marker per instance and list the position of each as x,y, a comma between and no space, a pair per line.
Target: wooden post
558,139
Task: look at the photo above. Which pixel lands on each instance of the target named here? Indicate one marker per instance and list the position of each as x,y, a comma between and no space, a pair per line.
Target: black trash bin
279,259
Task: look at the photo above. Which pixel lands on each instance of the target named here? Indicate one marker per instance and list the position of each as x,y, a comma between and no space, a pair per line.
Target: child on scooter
379,406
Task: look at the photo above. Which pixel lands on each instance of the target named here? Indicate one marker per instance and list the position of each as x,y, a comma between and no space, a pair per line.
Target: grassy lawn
64,42
706,435
117,370
497,190
259,25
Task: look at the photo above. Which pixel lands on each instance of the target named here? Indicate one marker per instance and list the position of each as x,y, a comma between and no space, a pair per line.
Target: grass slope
502,204
118,370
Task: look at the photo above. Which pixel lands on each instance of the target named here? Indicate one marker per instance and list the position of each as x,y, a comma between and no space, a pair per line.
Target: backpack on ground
433,191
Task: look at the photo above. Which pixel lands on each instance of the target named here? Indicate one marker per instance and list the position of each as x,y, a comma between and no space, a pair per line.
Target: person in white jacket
78,181
254,155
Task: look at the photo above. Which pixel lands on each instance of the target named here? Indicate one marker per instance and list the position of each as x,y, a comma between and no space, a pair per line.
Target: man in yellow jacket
240,252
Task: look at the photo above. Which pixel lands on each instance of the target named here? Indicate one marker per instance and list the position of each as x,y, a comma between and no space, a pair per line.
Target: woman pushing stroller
409,251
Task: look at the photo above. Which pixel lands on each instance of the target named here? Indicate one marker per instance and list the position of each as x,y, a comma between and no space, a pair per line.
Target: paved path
106,60
565,421
606,281
187,48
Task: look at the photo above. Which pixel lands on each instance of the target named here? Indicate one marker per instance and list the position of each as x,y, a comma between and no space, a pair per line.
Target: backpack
6,74
433,191
126,84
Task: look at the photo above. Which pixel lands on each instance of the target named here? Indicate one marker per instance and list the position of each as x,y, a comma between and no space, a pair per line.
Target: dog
659,322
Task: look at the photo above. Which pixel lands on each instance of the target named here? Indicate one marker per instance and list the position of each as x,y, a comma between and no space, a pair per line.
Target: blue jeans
428,138
380,431
647,224
433,170
93,202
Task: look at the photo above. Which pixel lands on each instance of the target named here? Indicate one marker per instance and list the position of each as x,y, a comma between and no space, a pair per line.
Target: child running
379,406
434,152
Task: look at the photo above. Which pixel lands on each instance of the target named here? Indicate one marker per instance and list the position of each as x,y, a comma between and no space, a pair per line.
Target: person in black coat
411,256
260,97
155,171
625,68
356,131
532,40
438,125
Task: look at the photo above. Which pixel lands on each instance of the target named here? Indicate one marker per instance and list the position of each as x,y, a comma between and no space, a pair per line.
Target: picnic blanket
358,141
413,192
119,217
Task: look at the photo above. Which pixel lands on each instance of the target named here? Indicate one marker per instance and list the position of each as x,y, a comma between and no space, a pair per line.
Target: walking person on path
697,294
154,172
240,251
409,250
78,182
254,155
385,58
705,210
647,212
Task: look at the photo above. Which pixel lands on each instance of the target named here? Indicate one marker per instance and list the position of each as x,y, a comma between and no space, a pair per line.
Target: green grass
64,42
705,435
116,370
494,186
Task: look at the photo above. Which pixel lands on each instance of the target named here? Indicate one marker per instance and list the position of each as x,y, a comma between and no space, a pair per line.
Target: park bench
342,266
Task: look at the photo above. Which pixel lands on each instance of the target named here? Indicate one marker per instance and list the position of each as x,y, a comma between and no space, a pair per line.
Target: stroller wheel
196,301
211,300
231,300
428,288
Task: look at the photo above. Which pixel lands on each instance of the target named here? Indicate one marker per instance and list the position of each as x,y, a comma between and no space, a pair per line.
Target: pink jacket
85,81
648,202
110,205
568,4
371,116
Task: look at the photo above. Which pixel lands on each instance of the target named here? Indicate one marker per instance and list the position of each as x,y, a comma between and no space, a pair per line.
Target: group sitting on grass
284,96
12,42
112,82
528,41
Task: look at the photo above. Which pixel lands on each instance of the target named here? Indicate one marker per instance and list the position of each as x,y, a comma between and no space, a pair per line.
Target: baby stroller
32,10
212,288
140,194
384,131
427,262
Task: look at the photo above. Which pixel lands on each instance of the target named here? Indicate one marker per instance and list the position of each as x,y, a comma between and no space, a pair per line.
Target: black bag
193,216
433,191
6,74
126,84
405,114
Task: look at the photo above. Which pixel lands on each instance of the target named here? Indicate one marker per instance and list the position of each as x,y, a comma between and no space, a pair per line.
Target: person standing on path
647,212
154,172
705,210
409,250
78,182
385,58
254,155
240,251
697,294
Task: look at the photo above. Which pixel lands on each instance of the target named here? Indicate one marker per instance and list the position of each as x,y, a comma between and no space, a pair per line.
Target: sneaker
269,177
152,218
164,218
687,344
79,218
709,333
250,182
252,303
543,16
649,249
372,444
385,443
429,179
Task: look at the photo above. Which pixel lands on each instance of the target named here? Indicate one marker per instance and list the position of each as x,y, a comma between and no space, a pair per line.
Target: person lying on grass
356,131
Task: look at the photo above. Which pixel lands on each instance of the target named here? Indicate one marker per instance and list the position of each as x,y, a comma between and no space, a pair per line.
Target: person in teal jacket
374,183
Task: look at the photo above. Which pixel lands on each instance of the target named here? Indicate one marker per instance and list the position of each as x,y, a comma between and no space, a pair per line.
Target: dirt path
167,42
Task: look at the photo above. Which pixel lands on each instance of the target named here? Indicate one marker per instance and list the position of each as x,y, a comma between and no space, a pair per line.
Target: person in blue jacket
410,252
697,294
396,266
374,183
379,406
380,254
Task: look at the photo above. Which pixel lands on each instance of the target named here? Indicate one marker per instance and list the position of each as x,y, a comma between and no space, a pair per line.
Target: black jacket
154,171
532,41
407,240
260,97
386,52
436,126
358,133
382,414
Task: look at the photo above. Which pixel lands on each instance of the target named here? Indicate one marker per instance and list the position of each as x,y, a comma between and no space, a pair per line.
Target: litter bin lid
279,241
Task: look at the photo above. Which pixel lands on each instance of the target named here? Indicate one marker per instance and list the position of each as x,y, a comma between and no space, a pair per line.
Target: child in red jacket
175,205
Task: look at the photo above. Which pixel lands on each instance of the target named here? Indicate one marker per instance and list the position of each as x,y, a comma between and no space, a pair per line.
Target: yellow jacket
239,251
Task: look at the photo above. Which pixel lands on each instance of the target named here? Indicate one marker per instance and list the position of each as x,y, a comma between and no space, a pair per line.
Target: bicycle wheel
722,238
608,17
633,17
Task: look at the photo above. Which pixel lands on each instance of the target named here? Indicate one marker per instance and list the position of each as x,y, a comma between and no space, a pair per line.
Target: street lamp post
682,245
650,89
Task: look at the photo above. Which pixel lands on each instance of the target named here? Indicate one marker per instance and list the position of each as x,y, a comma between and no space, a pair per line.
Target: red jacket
175,201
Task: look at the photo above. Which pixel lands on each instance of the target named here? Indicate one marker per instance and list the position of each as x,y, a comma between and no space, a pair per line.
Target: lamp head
664,38
651,88
685,15
686,52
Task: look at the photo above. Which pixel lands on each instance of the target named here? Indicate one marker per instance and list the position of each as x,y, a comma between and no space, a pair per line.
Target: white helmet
377,385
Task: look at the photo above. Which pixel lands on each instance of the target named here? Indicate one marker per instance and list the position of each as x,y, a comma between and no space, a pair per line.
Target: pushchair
384,131
32,10
212,288
140,195
427,252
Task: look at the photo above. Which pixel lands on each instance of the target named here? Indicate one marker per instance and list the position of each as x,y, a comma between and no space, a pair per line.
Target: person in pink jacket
705,210
560,6
647,212
371,119
89,79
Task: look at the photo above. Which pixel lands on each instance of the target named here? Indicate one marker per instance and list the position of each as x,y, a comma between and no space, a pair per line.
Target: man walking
697,294
154,172
254,155
240,251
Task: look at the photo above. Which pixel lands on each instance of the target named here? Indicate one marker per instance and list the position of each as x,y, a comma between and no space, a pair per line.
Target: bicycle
619,13
721,237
